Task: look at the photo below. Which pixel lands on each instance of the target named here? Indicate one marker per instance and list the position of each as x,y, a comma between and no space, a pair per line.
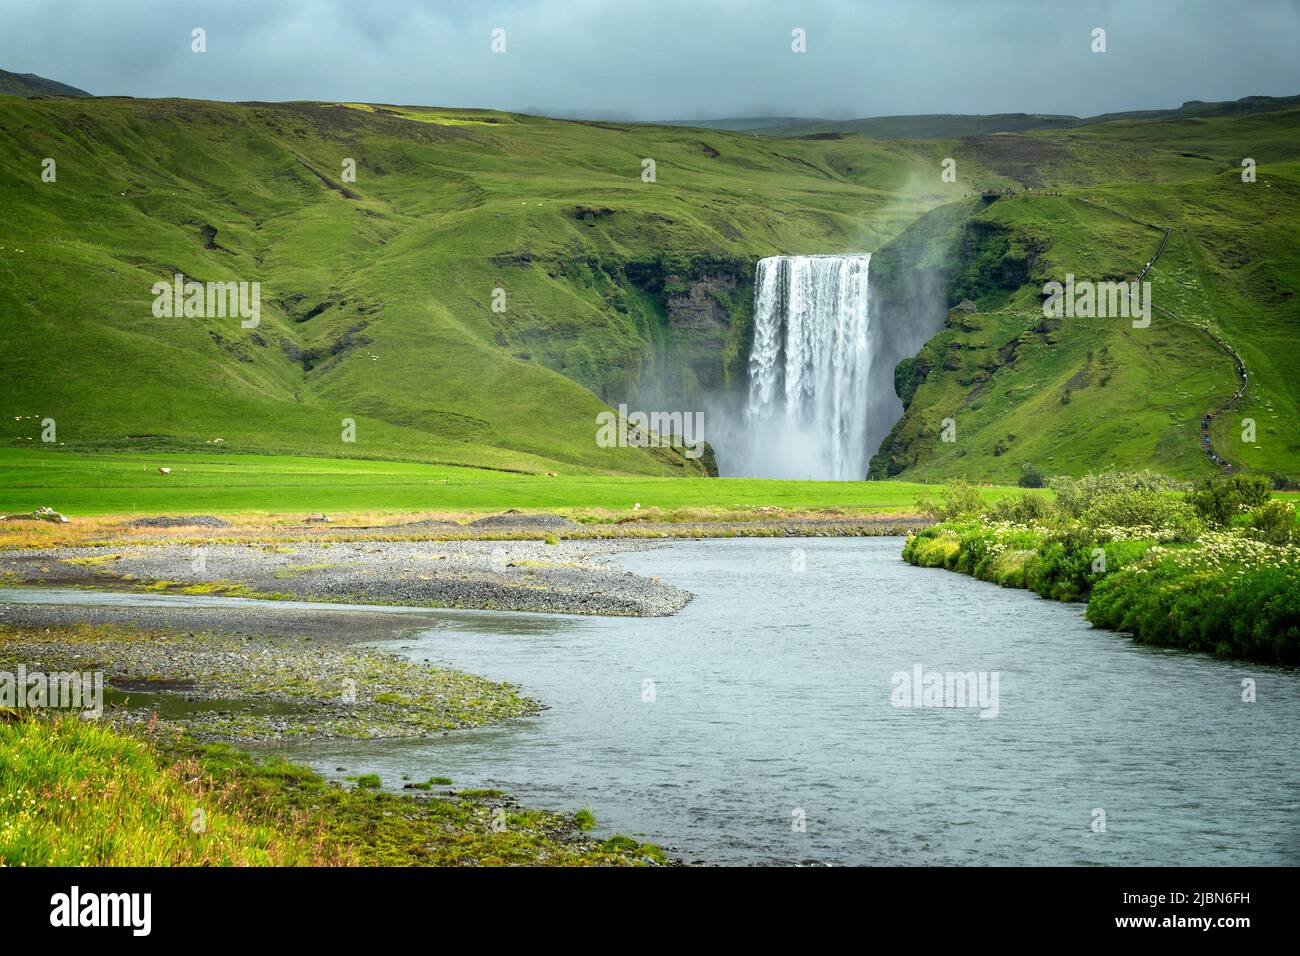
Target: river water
763,724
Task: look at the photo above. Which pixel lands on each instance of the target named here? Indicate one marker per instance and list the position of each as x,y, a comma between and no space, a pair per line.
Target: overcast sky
669,59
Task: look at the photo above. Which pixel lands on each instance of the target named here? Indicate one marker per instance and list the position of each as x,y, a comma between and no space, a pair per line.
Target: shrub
1182,599
1142,558
1121,553
957,499
1075,495
1063,571
931,548
1219,500
1143,508
1024,509
1274,522
1031,476
1011,569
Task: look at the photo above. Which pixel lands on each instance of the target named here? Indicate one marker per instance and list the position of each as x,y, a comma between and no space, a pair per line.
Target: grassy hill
1077,394
29,84
742,124
959,125
377,294
924,126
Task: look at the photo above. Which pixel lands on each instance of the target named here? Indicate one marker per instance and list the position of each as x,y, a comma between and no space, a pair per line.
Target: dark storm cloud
664,59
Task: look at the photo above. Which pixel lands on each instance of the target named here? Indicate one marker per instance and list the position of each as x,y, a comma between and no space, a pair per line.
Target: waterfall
807,410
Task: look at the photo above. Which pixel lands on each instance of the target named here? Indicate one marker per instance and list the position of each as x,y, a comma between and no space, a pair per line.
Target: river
757,725
763,724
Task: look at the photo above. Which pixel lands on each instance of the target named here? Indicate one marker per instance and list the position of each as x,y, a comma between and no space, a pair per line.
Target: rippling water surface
772,703
772,694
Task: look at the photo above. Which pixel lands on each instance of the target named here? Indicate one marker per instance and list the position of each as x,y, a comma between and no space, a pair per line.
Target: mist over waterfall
806,415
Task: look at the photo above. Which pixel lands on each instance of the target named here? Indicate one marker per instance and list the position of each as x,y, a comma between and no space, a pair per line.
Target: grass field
78,484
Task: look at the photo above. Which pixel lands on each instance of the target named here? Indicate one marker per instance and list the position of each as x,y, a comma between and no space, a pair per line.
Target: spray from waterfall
806,415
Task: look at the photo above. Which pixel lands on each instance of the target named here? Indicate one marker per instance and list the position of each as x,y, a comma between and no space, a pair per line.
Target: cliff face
708,325
697,342
934,280
698,310
667,330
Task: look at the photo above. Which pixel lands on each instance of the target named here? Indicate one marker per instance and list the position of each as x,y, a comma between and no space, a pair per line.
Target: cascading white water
806,415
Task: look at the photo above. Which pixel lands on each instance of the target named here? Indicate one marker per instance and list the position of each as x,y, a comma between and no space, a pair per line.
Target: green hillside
29,84
377,294
924,126
1071,395
958,125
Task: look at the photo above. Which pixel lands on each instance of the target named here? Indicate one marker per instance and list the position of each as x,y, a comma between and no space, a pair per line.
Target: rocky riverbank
179,680
221,686
571,577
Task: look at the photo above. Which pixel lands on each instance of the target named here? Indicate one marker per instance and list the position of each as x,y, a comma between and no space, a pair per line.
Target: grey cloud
664,59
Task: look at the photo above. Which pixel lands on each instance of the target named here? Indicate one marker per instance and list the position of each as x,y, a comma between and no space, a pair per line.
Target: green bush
931,548
1234,593
1252,612
1031,476
1075,495
1121,553
1274,522
1219,500
1028,508
1143,508
1069,566
1063,571
957,499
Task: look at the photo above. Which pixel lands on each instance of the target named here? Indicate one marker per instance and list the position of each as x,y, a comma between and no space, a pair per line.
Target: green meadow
118,483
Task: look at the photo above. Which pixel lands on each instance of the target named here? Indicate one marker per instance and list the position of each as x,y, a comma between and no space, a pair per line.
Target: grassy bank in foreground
80,484
1216,569
77,793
